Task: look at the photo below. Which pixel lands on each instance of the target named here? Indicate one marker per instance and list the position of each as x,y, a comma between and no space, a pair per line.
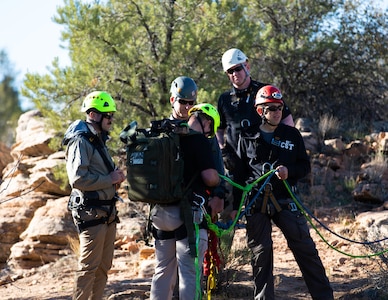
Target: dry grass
377,167
327,125
74,244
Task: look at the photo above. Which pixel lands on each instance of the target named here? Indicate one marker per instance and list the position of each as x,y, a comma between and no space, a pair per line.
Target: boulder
5,157
32,136
46,237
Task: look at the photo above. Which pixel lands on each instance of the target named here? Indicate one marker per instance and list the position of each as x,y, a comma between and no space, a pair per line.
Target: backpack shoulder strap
99,147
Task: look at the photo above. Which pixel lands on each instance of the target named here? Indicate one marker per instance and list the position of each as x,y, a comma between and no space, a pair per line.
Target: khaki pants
95,260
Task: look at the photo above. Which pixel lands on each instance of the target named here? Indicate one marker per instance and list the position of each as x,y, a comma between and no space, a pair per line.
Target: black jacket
287,148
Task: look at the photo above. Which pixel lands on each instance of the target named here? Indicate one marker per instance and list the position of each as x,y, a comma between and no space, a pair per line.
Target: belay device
154,161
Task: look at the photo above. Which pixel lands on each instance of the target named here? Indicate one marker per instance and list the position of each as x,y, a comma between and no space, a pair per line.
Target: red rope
211,255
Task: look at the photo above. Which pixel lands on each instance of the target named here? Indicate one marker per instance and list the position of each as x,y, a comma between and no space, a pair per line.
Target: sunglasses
236,69
274,108
186,102
108,116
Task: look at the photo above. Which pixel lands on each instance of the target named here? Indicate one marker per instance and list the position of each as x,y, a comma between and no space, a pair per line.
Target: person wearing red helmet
280,146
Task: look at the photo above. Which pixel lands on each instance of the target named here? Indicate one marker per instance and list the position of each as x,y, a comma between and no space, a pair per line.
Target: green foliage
60,174
321,54
350,183
10,109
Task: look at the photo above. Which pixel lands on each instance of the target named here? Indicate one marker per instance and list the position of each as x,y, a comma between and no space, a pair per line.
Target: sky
32,39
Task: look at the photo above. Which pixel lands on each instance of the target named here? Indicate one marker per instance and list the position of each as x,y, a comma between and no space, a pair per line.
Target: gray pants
173,257
294,227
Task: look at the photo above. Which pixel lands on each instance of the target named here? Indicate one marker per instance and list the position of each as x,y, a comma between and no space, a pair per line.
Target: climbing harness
268,195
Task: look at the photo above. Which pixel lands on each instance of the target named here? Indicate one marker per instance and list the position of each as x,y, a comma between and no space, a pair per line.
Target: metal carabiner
269,166
200,197
200,205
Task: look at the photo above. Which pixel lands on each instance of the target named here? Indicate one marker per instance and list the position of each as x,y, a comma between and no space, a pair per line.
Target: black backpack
155,162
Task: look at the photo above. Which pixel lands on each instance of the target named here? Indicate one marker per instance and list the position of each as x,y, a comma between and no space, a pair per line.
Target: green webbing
246,189
198,268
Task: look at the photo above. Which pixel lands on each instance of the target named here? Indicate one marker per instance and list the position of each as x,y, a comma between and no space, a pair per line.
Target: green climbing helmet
210,111
100,101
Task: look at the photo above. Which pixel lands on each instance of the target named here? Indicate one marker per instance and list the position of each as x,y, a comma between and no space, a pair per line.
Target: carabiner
201,205
268,166
200,197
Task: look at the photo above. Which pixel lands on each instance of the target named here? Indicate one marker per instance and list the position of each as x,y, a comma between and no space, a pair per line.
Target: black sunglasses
236,69
186,102
108,116
274,108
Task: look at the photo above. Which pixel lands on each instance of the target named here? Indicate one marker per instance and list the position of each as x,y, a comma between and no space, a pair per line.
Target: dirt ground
351,278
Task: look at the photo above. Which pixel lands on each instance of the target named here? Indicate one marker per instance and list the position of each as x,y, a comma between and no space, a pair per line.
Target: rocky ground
351,278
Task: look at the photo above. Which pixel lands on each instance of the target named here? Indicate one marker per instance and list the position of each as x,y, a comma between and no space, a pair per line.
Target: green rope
247,188
318,232
198,269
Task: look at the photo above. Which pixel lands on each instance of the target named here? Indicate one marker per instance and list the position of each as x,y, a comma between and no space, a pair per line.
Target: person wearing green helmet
172,237
210,113
94,179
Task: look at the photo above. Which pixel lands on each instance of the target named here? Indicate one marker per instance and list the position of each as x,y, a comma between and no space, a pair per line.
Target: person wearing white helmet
236,106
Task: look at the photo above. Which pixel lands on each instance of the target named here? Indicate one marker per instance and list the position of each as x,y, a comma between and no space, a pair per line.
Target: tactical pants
173,257
95,260
294,227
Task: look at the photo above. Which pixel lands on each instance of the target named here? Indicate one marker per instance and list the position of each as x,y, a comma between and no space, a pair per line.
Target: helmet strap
197,115
94,122
265,121
246,72
247,75
260,111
